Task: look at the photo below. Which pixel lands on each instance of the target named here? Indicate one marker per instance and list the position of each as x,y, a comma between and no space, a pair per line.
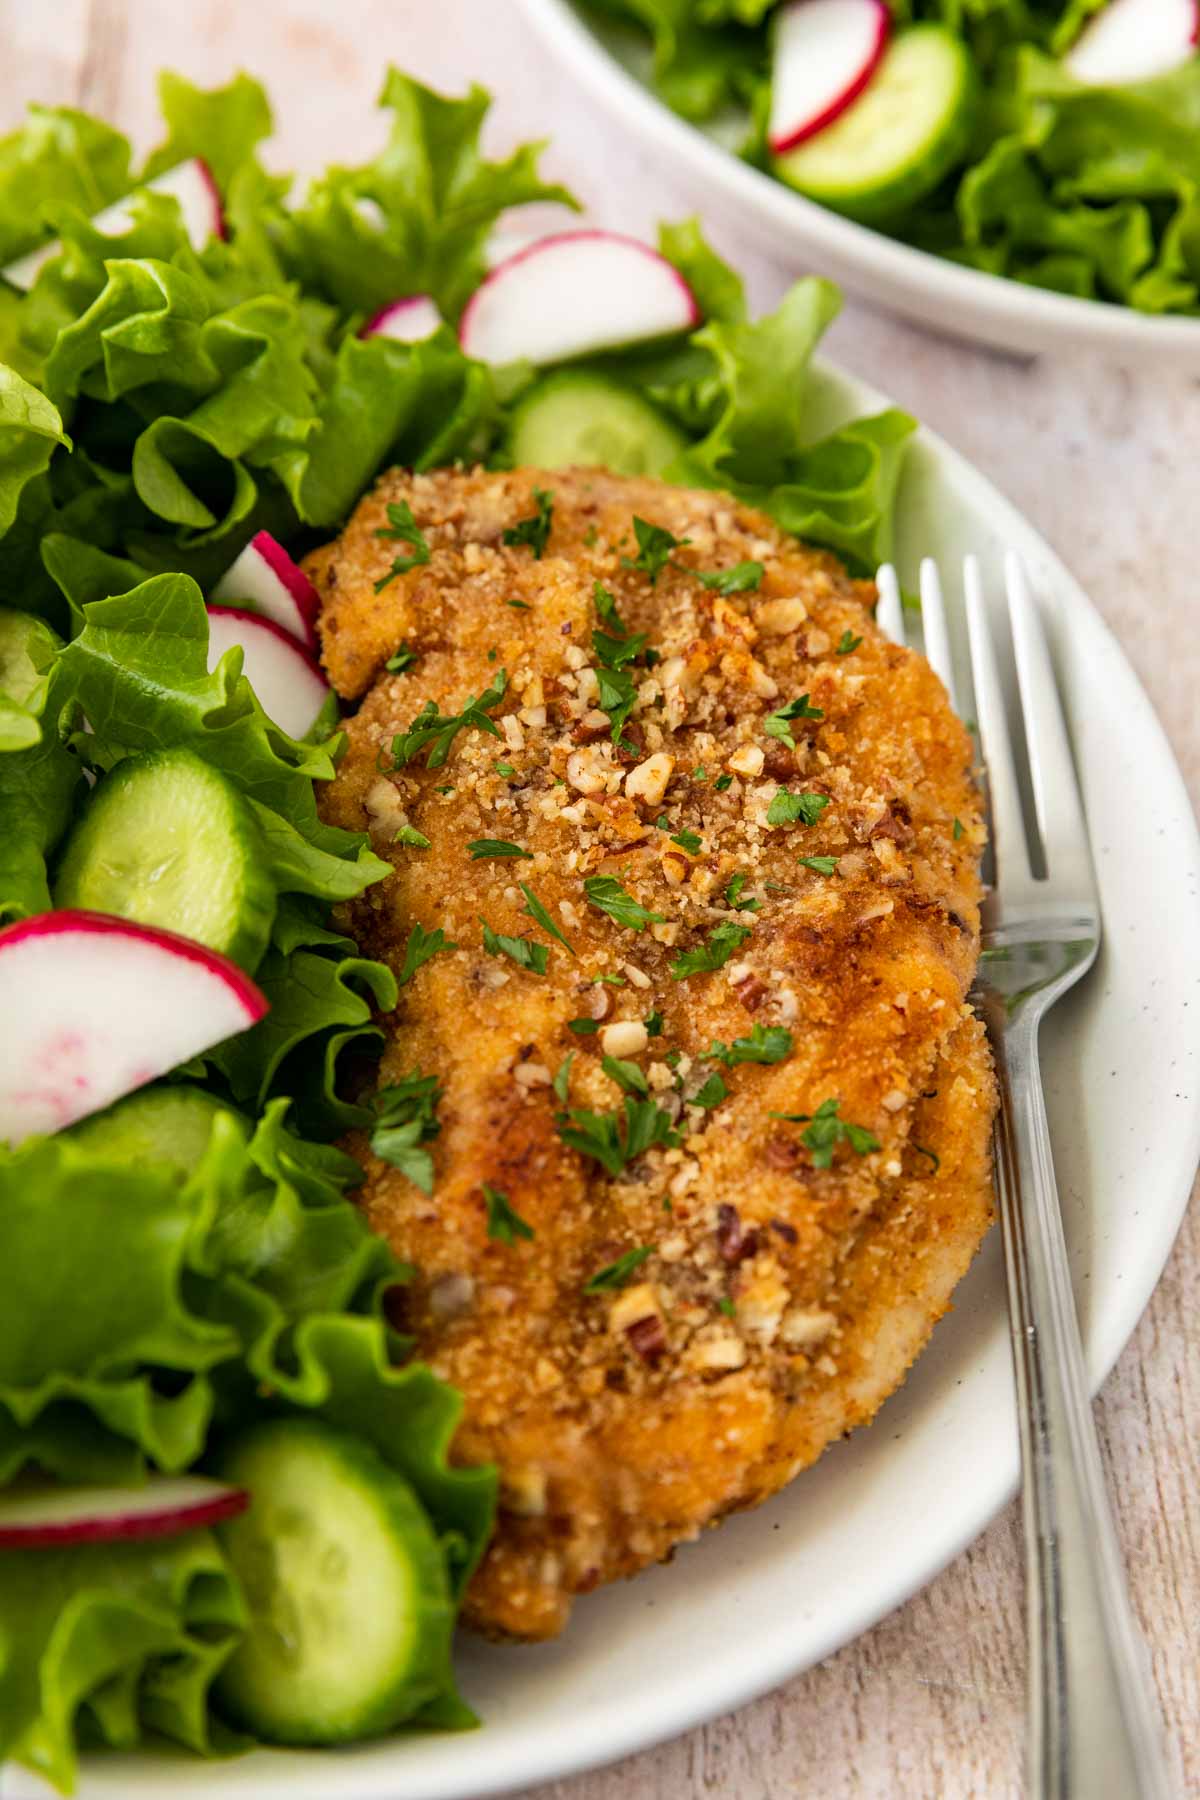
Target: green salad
1052,143
227,1509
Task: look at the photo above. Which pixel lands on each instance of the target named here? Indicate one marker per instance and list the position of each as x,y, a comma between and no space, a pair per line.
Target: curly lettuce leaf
58,158
222,126
31,429
39,778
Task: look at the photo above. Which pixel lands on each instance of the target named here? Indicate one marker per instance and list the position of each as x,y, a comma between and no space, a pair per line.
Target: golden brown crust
782,1302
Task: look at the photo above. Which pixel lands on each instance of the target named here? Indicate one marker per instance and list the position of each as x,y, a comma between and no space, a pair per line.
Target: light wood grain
928,1706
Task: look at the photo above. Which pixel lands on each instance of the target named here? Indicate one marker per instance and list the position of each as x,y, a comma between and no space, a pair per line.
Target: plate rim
996,309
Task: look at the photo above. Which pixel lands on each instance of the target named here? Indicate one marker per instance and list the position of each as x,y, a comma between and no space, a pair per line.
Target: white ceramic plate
774,1591
964,302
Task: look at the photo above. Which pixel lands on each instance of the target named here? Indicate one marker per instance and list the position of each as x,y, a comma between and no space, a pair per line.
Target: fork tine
889,614
934,628
1051,767
1008,827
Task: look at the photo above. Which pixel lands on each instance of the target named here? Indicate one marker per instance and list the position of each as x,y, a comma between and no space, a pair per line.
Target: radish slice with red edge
94,1007
825,53
408,320
1134,40
190,183
266,580
46,1515
286,677
577,292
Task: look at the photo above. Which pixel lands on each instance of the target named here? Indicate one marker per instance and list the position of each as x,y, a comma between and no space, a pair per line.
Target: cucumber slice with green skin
166,1126
896,142
166,840
578,418
350,1610
27,649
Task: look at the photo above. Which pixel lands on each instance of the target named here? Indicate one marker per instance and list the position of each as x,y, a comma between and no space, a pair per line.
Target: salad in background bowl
1028,176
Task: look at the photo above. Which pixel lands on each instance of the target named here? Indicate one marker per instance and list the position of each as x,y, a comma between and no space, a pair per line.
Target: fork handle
1093,1724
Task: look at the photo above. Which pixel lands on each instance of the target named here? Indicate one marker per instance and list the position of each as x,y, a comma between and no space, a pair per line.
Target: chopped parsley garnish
776,724
743,578
687,840
958,829
504,768
408,834
722,782
820,865
711,1093
504,1226
420,947
403,528
733,894
654,1024
700,773
536,528
540,916
846,643
614,1139
766,1044
606,609
627,1075
618,1273
519,605
722,943
562,1077
609,980
583,1027
655,544
606,893
725,1305
786,808
614,648
405,1120
673,1058
434,732
484,847
403,659
534,957
826,1131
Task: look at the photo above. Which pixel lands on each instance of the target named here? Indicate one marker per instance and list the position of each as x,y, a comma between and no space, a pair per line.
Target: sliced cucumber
903,134
350,1608
168,841
579,418
27,649
167,1126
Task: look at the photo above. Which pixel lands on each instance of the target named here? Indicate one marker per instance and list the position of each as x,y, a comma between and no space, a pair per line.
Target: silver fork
1093,1724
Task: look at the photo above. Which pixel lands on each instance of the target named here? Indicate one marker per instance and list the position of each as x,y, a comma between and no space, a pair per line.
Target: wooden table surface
1103,459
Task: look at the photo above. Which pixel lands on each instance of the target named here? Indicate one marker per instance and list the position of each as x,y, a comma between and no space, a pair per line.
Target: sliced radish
573,293
266,580
286,677
825,54
190,183
45,1515
409,319
94,1007
1134,40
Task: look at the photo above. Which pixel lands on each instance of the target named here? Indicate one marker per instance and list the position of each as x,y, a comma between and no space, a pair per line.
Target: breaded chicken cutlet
707,1172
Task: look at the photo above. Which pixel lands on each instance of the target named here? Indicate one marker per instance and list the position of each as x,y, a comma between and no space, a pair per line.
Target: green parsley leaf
722,782
403,659
405,1120
722,943
540,916
536,528
617,697
655,544
786,808
562,1076
687,840
606,893
627,1075
583,1027
614,648
434,732
776,724
606,609
846,643
534,957
618,1273
519,605
504,768
700,773
820,865
733,894
403,528
743,578
958,829
420,947
726,1306
408,834
504,1226
484,847
654,1024
710,1094
766,1044
614,1139
609,980
826,1130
